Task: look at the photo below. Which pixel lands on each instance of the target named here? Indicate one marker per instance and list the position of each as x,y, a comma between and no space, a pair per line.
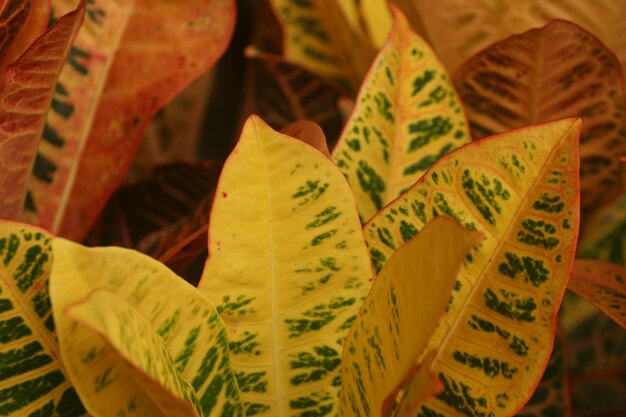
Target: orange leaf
130,58
25,95
602,284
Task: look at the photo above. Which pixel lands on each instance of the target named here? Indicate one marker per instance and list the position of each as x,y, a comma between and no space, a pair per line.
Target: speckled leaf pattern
407,116
319,36
26,90
137,339
458,29
33,381
289,270
552,398
399,316
130,58
547,74
21,22
520,189
602,284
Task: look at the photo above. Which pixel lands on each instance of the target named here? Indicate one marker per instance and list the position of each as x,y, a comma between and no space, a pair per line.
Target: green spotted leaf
398,318
520,189
557,71
289,270
407,116
136,339
33,381
603,285
319,35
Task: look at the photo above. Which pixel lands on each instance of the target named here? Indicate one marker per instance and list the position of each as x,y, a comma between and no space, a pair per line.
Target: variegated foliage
136,339
288,268
407,116
546,74
325,37
21,22
520,189
130,57
26,90
552,397
603,285
458,29
398,318
33,381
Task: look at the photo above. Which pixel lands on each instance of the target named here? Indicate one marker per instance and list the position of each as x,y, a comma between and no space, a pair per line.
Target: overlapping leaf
407,116
322,37
553,394
281,92
289,269
33,380
25,95
130,57
136,339
602,284
458,29
547,74
520,189
21,22
398,318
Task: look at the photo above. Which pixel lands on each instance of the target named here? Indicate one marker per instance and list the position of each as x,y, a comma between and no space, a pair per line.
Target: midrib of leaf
454,324
87,126
535,87
272,271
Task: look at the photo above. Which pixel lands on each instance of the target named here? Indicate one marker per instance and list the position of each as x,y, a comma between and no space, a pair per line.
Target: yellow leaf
603,285
319,36
135,337
377,19
406,117
557,71
288,268
520,189
33,378
398,318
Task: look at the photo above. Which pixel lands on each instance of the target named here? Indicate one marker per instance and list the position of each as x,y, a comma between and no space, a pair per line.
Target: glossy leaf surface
33,380
399,316
288,268
407,115
25,95
130,58
458,29
136,338
520,190
547,74
602,284
21,22
319,36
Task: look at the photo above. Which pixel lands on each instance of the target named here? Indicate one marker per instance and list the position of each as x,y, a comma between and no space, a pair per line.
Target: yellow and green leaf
26,91
520,189
321,37
603,285
398,318
458,29
135,338
288,268
129,58
407,116
547,74
33,381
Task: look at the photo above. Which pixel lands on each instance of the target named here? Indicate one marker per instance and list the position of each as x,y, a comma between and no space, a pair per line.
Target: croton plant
409,190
